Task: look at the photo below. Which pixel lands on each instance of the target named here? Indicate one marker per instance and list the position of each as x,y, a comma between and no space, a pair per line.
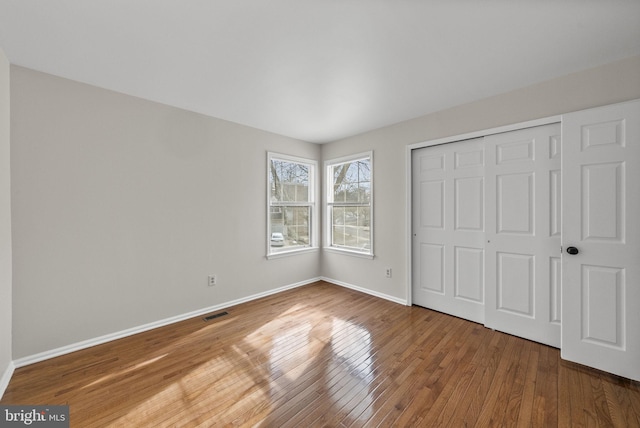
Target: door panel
512,151
469,204
514,199
523,227
432,197
515,283
448,227
600,214
602,298
555,192
469,273
432,272
602,186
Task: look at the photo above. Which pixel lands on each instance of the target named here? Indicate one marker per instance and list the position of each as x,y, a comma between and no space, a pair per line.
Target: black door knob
572,250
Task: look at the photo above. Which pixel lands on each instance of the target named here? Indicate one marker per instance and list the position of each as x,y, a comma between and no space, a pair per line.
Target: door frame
446,140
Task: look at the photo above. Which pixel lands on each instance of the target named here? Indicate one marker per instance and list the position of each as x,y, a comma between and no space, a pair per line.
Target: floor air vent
214,316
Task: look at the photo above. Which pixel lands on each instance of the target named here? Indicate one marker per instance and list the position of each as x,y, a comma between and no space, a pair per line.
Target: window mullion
292,204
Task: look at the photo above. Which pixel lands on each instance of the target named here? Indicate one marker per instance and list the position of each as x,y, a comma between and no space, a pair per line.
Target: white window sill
292,252
353,253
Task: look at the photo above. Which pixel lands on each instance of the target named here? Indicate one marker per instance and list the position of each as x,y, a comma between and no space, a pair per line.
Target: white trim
445,140
301,250
348,158
31,359
349,252
409,225
6,378
487,132
365,290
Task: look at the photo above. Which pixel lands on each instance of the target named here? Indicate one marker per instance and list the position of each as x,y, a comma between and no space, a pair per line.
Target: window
349,212
291,206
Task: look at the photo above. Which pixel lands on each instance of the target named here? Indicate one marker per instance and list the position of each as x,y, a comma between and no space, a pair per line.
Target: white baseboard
365,290
6,377
31,359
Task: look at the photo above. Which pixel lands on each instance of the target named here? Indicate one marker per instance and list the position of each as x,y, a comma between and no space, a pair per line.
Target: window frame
329,204
311,203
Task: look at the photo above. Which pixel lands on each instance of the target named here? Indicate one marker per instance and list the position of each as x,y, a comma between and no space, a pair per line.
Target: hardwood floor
322,355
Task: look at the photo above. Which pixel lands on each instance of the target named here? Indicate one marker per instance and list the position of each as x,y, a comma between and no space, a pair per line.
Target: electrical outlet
213,280
388,272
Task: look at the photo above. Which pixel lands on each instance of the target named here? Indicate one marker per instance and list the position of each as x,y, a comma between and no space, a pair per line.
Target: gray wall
122,207
615,82
5,220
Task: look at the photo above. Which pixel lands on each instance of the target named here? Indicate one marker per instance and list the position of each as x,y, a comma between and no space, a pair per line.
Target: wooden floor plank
621,400
545,409
494,405
323,355
525,415
513,395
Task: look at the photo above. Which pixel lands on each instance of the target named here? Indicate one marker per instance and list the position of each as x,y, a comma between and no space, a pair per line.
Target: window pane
337,226
289,227
364,170
364,228
351,227
338,216
352,182
340,185
338,235
289,181
364,192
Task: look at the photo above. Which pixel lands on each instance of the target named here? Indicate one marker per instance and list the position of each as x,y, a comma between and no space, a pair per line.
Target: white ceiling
316,70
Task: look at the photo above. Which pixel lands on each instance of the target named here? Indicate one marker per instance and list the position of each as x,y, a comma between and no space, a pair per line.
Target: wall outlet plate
213,280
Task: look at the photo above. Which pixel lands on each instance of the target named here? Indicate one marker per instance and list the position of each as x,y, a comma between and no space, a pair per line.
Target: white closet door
601,220
522,248
448,228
